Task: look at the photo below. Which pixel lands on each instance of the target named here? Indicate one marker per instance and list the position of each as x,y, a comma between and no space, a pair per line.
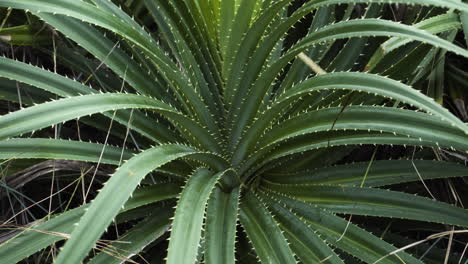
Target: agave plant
241,126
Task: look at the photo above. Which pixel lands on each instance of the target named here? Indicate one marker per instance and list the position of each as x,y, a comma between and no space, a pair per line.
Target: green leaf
151,194
305,242
25,35
105,50
43,233
240,25
28,94
370,118
464,21
221,224
39,235
192,49
41,148
109,201
353,81
238,53
188,219
263,231
348,56
374,84
226,17
129,30
340,233
135,239
380,27
433,25
330,133
43,115
372,201
381,173
328,139
41,78
65,87
46,114
342,30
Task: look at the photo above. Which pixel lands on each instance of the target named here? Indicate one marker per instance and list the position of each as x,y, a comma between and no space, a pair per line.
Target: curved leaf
46,114
346,29
381,173
40,235
383,119
108,202
151,194
434,25
135,239
221,224
188,219
305,242
353,81
379,27
106,51
131,31
372,201
339,130
374,84
322,140
192,50
65,87
49,81
41,148
340,233
263,231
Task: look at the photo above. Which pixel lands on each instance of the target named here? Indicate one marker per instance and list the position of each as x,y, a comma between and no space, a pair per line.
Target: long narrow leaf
108,202
263,231
346,29
42,233
38,148
305,242
221,223
372,201
188,220
340,233
381,173
135,239
43,115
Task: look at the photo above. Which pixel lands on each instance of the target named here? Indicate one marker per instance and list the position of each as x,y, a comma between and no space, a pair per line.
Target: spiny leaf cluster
228,121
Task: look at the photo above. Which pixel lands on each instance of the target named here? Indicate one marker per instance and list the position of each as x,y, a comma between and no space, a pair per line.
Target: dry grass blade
312,65
19,179
433,236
